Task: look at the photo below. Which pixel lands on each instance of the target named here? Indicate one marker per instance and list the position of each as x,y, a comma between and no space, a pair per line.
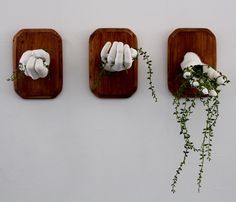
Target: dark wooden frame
116,84
199,40
50,41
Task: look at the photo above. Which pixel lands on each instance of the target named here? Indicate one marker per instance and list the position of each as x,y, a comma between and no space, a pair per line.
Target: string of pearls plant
116,57
207,81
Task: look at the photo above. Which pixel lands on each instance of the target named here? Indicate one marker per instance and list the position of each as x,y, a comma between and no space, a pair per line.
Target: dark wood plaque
50,41
199,40
116,84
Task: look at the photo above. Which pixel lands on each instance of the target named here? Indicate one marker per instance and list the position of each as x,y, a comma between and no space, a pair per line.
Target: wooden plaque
199,40
50,41
115,84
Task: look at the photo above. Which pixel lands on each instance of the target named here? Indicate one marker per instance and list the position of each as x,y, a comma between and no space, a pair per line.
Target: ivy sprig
182,112
17,74
183,108
212,108
149,72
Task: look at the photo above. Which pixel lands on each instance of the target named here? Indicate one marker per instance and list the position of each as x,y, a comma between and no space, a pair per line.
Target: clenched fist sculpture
34,63
117,56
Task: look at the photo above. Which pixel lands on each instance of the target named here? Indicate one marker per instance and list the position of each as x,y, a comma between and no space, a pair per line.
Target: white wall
81,148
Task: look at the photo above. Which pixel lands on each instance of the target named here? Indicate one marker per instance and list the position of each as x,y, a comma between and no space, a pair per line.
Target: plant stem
211,104
149,72
179,169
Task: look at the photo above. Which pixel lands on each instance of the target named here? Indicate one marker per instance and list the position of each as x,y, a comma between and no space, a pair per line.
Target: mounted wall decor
119,84
113,65
37,63
192,75
198,40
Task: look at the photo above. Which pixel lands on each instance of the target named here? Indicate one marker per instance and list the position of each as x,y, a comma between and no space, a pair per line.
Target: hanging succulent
207,81
116,57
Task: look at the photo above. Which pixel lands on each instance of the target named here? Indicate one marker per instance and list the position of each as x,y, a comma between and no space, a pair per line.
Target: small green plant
199,77
15,76
149,72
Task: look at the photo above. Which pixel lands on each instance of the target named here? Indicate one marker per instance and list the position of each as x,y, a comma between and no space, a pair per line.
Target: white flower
205,91
187,75
213,93
195,84
201,81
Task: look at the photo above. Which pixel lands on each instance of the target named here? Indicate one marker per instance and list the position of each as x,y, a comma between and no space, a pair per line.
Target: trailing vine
182,113
183,108
211,104
149,72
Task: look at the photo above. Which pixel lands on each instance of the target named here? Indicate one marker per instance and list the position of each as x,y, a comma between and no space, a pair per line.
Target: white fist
117,56
34,63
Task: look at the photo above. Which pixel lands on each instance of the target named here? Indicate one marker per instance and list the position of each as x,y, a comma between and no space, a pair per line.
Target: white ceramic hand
34,63
117,56
192,59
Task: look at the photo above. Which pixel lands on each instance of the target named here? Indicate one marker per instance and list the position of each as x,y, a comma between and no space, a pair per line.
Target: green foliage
212,105
101,75
13,77
149,72
16,75
182,112
183,108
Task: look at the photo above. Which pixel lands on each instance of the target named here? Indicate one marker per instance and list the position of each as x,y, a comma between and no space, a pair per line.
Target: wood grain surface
199,40
50,41
116,84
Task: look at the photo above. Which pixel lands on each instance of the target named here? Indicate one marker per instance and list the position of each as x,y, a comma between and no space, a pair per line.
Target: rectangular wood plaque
198,40
50,41
115,84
